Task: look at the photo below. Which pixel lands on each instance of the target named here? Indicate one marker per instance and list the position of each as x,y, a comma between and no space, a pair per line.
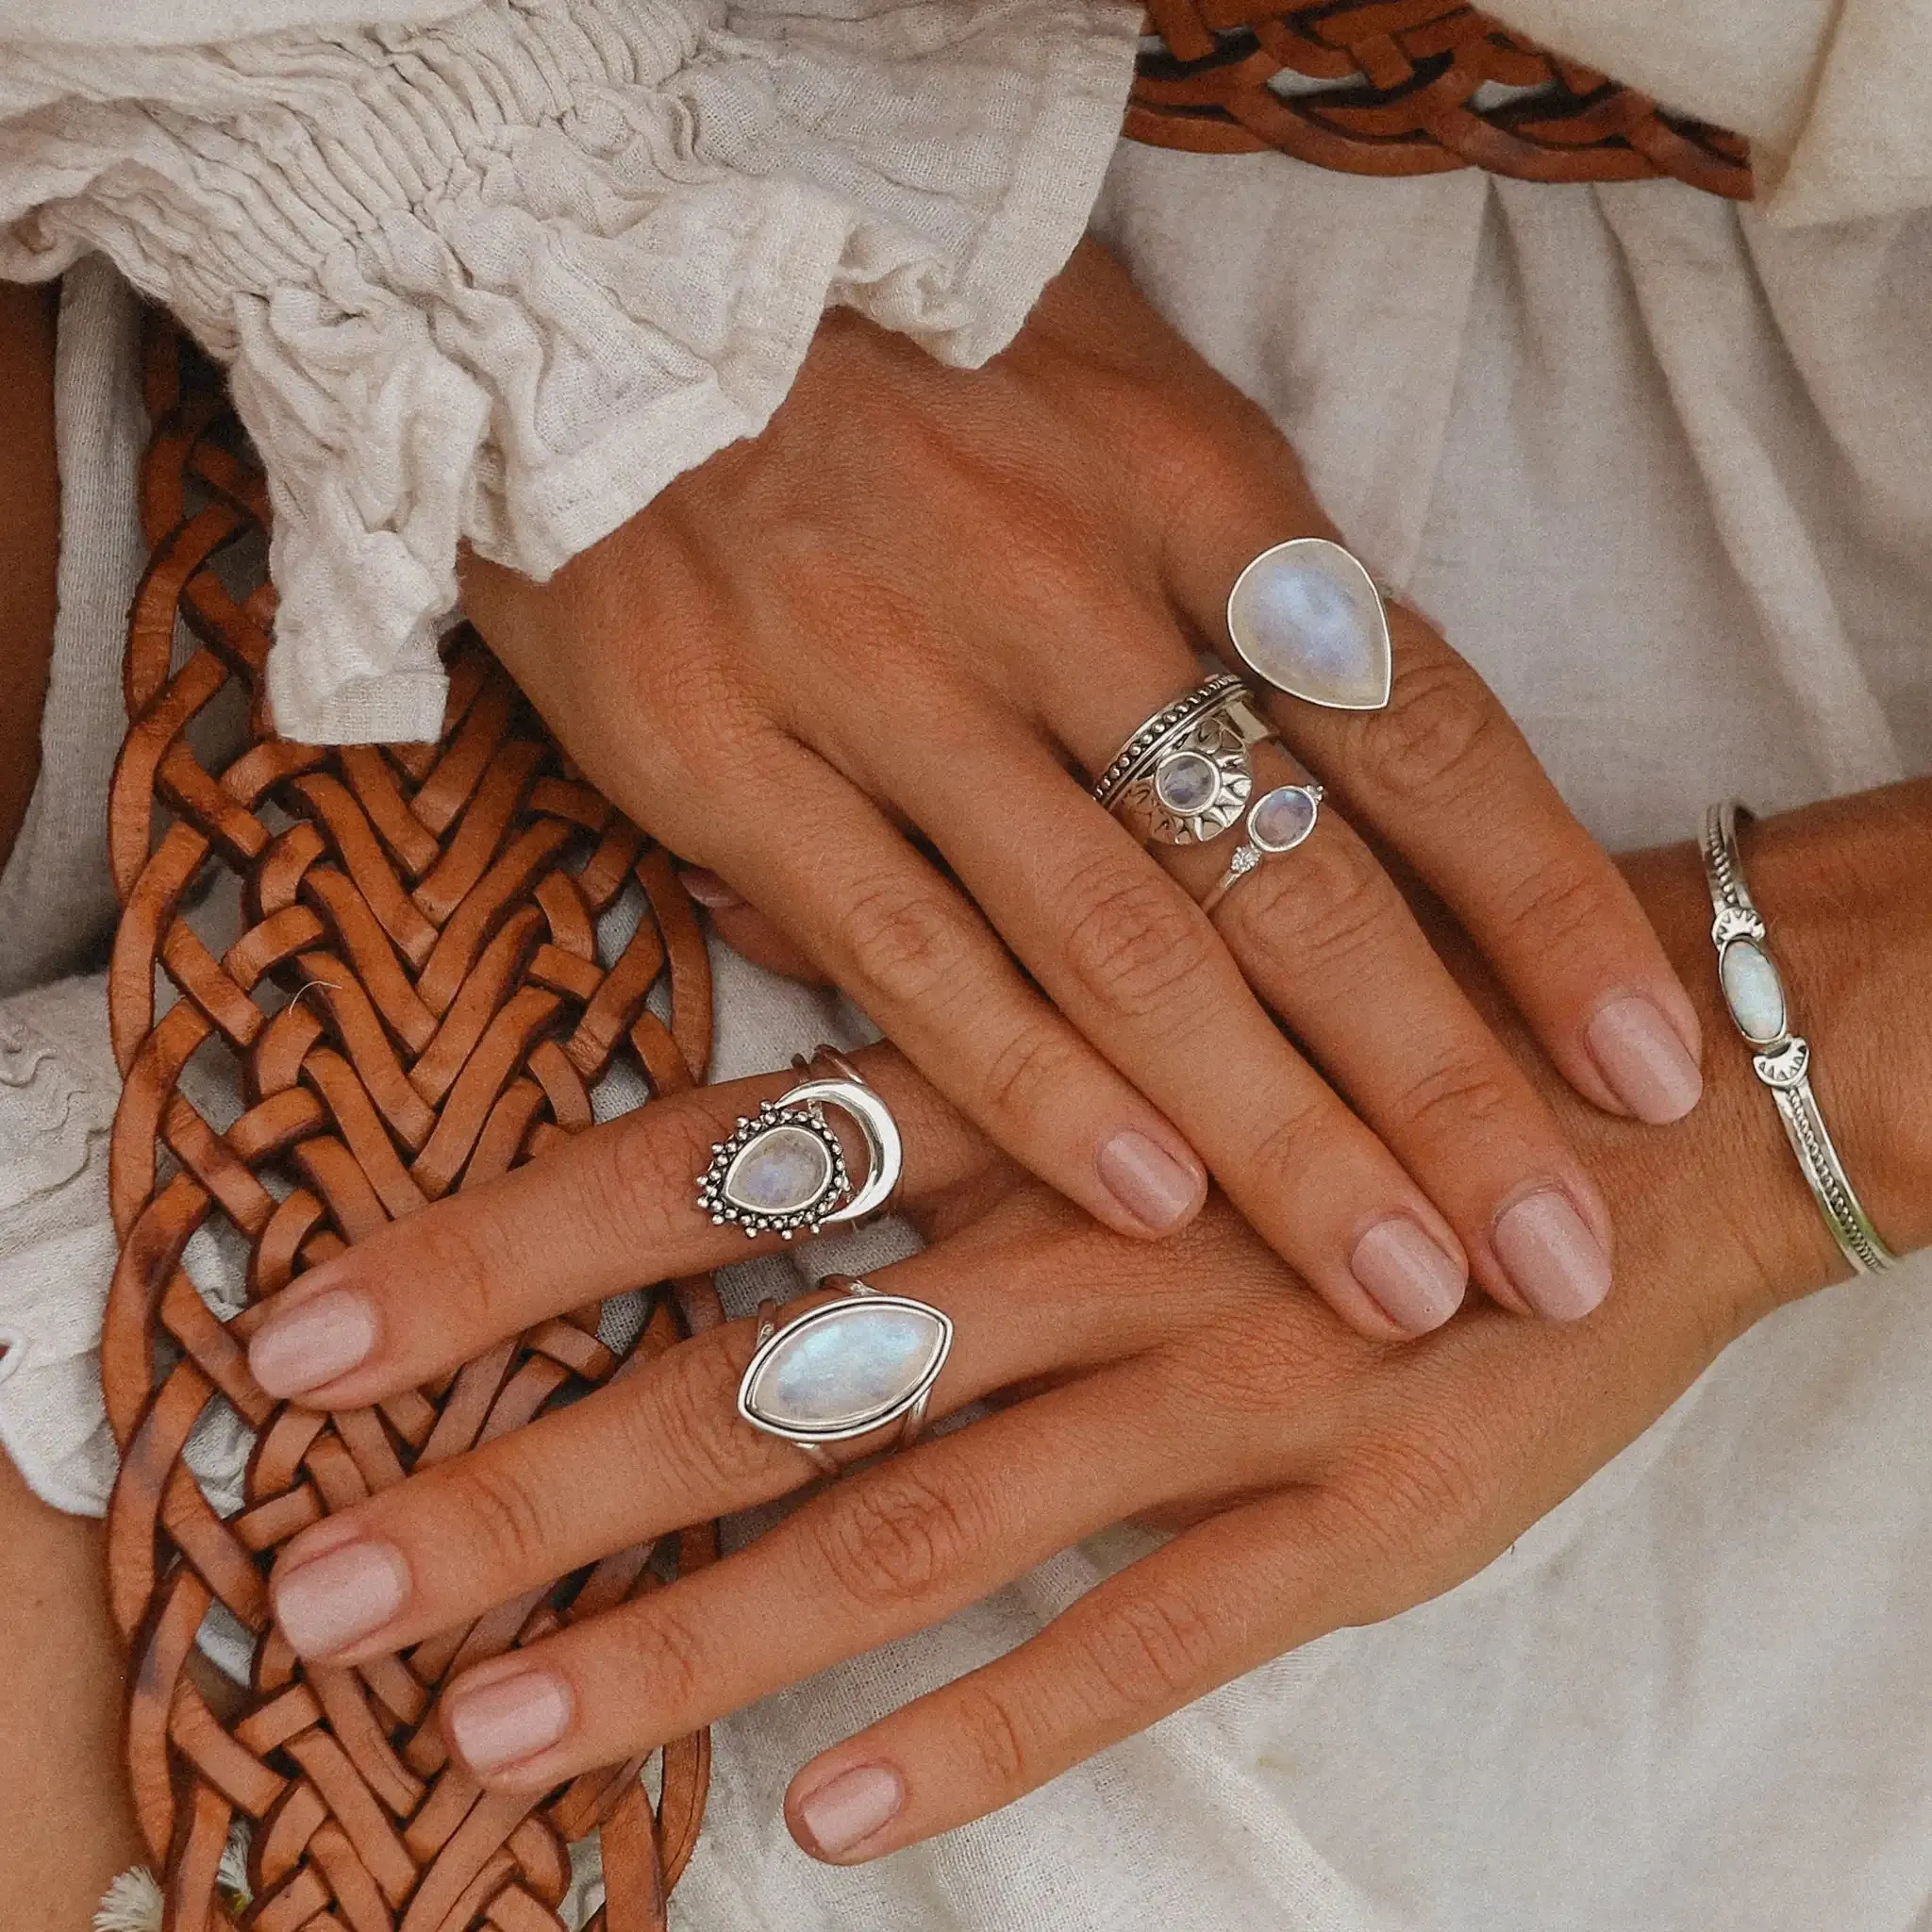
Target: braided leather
411,1001
1407,87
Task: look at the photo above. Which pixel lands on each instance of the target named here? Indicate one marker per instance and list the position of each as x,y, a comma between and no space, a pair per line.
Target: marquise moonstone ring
1307,618
782,1170
844,1368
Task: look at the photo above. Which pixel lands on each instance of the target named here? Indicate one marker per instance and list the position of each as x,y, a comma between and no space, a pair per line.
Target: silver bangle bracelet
1756,996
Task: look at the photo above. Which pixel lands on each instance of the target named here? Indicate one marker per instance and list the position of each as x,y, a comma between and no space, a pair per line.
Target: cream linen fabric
498,277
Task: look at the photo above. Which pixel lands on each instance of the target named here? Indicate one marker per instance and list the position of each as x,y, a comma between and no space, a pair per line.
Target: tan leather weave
1409,73
411,1002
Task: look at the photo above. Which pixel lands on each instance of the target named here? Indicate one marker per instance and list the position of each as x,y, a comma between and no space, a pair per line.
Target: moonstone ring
1280,821
1308,619
844,1368
1185,775
783,1170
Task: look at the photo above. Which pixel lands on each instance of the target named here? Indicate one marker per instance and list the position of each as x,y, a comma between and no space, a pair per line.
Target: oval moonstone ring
1307,618
844,1368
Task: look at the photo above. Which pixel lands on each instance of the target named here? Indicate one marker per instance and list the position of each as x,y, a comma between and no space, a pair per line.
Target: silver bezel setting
752,1129
907,1407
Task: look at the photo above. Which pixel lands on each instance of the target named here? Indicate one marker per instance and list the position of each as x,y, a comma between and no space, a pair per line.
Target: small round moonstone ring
782,1169
1279,821
843,1368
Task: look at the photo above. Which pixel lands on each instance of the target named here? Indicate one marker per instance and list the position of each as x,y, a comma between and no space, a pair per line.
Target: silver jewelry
1306,617
844,1368
1756,996
782,1169
1279,821
1185,776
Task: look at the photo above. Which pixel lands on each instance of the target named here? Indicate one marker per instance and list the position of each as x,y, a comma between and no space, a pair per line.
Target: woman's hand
1330,1479
898,615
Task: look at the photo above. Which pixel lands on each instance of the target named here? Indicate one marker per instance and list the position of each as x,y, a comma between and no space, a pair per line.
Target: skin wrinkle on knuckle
890,1542
1335,917
682,1422
503,1513
649,1660
906,942
1448,1102
1557,909
1151,1650
1133,943
639,1185
981,1727
1029,1075
1287,1143
465,1279
1437,739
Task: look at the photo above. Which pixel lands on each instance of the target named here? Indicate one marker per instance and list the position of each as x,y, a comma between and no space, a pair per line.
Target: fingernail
1558,1264
1414,1281
1649,1068
848,1809
340,1596
314,1343
514,1718
707,888
1148,1182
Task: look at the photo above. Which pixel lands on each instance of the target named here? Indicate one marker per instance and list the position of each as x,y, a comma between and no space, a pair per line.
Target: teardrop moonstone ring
1308,619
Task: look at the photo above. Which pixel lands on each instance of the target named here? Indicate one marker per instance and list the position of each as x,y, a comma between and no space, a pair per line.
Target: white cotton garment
496,278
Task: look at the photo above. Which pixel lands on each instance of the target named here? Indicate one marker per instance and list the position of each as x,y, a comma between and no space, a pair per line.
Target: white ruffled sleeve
497,280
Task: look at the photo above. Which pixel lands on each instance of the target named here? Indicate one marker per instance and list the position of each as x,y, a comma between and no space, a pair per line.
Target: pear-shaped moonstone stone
1307,617
1752,991
1283,818
857,1362
784,1169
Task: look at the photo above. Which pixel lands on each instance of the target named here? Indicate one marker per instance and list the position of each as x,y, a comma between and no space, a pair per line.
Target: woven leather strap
1407,87
410,1000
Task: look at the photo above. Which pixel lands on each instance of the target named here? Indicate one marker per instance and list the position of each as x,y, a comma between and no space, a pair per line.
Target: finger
885,1552
1221,1599
749,933
662,1447
611,1210
1129,956
1444,777
905,944
1328,940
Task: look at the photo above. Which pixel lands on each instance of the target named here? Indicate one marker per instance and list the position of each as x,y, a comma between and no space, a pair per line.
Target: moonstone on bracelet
1755,994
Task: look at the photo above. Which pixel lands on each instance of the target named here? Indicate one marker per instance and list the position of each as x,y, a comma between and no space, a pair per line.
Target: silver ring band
782,1170
845,1369
1185,776
1755,996
1279,821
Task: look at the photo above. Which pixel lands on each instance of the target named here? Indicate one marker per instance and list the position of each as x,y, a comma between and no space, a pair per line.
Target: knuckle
1454,1098
683,1421
1152,1651
445,1254
659,1651
1133,942
907,943
506,1513
1328,914
991,1738
1439,735
1031,1072
637,1189
891,1540
1556,907
1292,1137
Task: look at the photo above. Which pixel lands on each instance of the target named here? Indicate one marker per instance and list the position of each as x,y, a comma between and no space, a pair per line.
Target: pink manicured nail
1149,1182
1649,1068
707,888
341,1595
514,1718
1414,1282
312,1343
1558,1264
847,1809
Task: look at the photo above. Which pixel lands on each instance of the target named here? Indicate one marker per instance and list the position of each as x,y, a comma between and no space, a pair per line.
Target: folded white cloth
496,278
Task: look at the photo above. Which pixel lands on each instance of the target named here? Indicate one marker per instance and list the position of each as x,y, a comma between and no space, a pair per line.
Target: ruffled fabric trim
499,279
